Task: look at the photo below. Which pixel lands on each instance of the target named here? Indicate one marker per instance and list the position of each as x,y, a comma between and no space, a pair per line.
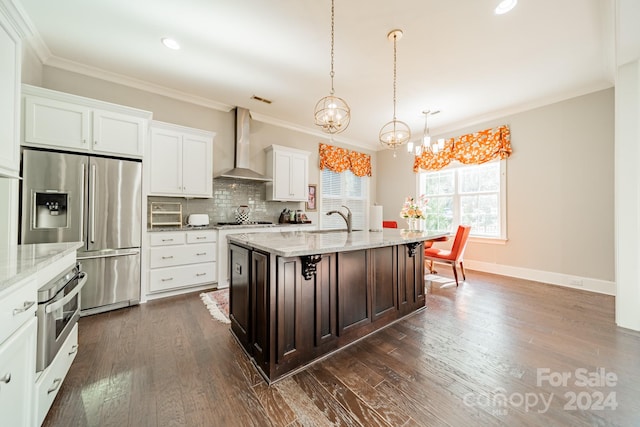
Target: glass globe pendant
332,114
396,132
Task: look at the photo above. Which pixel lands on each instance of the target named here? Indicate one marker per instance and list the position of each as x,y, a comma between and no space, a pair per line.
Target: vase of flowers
413,212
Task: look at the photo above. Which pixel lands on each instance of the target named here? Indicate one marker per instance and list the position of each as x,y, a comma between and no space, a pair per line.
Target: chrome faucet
347,218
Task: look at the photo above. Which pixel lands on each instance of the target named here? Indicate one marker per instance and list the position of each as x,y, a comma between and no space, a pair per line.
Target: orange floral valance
340,159
473,148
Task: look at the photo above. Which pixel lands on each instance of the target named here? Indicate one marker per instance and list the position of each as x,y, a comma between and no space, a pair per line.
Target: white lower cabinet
17,371
181,259
49,382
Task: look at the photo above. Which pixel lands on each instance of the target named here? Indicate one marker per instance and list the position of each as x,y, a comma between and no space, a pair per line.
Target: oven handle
58,304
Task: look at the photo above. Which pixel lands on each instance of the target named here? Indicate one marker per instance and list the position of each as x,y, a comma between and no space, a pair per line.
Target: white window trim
319,199
503,239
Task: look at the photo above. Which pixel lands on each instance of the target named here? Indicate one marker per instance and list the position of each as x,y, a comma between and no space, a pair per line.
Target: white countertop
20,261
227,227
297,243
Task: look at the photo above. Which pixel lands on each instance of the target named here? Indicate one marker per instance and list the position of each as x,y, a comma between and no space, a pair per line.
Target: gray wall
560,212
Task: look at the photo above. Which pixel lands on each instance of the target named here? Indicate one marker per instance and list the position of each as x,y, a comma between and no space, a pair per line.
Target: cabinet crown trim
156,124
28,90
275,147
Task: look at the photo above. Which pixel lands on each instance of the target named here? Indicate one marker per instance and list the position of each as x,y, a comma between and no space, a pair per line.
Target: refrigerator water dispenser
50,210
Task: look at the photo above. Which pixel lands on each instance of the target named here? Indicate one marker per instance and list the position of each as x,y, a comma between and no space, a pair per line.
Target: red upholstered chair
389,224
452,256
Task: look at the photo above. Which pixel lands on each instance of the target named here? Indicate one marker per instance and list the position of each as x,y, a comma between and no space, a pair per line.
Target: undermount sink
339,230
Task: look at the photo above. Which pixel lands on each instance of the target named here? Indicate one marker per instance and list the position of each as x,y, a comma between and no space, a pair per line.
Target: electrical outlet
575,282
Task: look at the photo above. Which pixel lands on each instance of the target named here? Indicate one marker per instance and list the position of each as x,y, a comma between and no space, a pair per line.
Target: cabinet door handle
6,378
167,257
201,253
55,385
74,349
95,142
167,240
201,237
200,274
167,279
25,306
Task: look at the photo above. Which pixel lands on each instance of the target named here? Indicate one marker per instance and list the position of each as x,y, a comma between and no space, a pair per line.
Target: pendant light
396,132
332,113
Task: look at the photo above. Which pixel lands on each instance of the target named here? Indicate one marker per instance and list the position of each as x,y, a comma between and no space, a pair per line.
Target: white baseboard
552,278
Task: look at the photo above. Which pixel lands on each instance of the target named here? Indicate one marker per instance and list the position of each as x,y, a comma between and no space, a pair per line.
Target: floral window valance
339,160
473,148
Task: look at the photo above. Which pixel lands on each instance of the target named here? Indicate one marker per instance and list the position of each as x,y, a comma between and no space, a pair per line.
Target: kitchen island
298,296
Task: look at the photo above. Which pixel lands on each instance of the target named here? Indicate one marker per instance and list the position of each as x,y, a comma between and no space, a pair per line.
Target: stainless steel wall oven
58,312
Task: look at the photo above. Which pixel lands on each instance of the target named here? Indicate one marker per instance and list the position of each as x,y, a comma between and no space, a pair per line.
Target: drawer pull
200,274
167,240
6,379
55,385
74,349
167,279
201,237
201,253
167,257
26,306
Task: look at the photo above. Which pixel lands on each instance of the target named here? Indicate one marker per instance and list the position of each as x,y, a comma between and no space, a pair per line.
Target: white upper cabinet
181,161
289,169
116,133
59,120
10,60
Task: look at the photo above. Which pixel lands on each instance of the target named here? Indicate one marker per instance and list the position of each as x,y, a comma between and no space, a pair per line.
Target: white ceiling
456,55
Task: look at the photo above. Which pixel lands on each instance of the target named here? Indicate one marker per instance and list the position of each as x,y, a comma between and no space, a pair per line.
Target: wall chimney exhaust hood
242,169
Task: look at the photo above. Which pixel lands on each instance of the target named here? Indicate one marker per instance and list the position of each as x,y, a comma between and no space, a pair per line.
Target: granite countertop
297,243
20,261
224,227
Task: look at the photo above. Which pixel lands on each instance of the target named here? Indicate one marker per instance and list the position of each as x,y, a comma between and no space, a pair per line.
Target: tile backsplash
228,194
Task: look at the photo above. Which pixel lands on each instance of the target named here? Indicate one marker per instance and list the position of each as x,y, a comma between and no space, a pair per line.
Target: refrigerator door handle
109,255
92,200
83,180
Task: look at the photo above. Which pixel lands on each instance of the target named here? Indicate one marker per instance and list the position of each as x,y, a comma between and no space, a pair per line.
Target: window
473,195
343,189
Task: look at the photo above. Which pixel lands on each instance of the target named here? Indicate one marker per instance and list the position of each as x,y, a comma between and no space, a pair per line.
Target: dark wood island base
287,312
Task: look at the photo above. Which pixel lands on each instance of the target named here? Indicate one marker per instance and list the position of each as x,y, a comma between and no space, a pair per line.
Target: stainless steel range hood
242,169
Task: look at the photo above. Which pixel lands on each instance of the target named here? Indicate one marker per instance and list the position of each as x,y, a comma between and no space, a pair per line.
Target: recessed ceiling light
505,6
170,43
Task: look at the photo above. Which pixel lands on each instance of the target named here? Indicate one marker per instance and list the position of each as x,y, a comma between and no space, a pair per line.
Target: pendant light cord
331,74
395,37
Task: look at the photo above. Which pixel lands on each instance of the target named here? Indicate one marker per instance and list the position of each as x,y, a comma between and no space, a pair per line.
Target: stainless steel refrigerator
98,200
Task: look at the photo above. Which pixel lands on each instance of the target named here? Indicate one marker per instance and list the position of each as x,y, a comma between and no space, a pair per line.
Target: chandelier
332,113
396,132
426,138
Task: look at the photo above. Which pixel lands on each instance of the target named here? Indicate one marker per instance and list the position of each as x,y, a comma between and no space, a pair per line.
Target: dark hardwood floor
492,352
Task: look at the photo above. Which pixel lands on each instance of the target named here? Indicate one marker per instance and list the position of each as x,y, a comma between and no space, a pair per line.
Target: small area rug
218,304
443,281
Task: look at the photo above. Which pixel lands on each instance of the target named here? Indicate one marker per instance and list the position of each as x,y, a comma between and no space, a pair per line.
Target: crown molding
309,131
25,28
520,108
109,76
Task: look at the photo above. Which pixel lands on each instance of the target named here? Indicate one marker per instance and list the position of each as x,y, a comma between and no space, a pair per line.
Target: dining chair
453,256
389,224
